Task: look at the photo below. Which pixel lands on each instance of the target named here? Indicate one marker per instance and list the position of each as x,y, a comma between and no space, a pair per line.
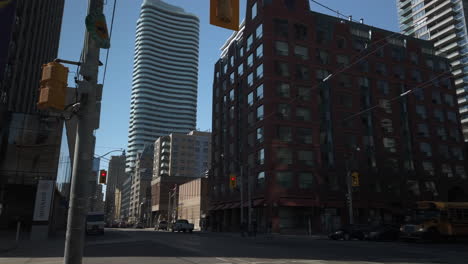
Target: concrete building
284,116
140,193
193,202
125,203
117,215
29,139
165,76
115,178
444,23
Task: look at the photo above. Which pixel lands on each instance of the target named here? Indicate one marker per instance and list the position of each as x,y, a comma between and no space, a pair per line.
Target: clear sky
113,131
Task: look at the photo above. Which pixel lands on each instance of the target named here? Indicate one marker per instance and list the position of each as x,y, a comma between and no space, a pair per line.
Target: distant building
165,76
193,202
115,178
444,23
302,99
140,194
125,202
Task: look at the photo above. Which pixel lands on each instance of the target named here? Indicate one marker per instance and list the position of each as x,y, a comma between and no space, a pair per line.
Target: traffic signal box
53,86
355,179
225,13
232,181
102,176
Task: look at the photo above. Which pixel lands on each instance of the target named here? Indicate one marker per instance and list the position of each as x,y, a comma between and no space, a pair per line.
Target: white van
95,223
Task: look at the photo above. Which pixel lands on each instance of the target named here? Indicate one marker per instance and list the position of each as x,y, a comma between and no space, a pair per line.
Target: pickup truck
182,225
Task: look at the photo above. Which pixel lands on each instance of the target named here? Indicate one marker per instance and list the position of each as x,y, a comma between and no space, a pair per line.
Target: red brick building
300,99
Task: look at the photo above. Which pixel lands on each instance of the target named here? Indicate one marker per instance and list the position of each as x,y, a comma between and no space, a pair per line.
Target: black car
383,233
349,232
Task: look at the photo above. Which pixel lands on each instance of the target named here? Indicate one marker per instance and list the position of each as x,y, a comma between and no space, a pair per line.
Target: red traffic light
233,178
102,176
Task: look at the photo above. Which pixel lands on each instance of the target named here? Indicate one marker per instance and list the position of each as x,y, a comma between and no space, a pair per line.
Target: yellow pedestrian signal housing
53,87
232,181
102,176
225,13
355,179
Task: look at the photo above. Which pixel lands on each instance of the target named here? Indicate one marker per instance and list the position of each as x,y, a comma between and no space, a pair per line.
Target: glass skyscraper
165,76
444,22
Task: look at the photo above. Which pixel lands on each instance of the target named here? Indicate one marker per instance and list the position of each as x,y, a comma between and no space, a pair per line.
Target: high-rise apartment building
445,24
29,139
116,176
302,99
165,75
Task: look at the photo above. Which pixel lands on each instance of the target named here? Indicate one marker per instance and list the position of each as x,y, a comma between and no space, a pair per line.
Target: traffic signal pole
84,147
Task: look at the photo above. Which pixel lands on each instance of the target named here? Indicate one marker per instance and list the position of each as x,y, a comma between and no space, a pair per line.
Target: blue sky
115,110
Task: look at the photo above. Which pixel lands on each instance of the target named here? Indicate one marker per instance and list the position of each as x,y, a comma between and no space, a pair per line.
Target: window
260,92
448,99
321,36
231,78
241,51
399,72
250,99
281,48
380,52
381,68
438,115
249,42
259,31
423,130
359,44
284,179
421,111
284,111
387,125
304,93
285,134
250,142
250,79
453,132
303,114
426,149
259,51
451,116
444,151
322,56
300,32
260,113
436,98
301,52
231,95
281,28
259,71
363,66
430,64
428,167
345,80
460,171
456,153
302,72
260,134
383,87
282,69
284,156
447,170
306,157
340,42
231,112
306,180
261,156
240,69
254,10
389,144
304,135
342,60
346,100
419,94
413,187
250,60
414,58
261,179
416,76
283,89
441,133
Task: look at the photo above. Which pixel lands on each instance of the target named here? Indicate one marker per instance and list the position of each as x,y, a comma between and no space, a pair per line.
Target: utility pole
241,183
349,193
169,208
249,198
84,147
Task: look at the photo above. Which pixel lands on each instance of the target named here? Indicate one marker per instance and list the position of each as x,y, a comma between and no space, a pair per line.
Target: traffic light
355,179
102,176
225,13
53,86
232,181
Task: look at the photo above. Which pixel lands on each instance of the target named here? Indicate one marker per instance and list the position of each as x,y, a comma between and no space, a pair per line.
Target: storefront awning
296,202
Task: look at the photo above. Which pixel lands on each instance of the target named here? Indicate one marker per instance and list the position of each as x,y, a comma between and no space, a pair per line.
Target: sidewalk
270,235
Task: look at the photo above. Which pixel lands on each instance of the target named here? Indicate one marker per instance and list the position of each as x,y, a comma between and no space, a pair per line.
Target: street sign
355,179
97,28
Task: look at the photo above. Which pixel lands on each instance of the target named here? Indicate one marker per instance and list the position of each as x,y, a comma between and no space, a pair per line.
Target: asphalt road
149,247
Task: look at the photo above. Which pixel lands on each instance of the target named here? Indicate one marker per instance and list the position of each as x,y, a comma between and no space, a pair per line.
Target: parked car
182,225
161,226
138,225
122,225
95,223
349,232
383,233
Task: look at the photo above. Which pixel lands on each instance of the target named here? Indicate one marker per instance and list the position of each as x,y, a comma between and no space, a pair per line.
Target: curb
6,250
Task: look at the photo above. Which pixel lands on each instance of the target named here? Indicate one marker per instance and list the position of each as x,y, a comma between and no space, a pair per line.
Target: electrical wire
110,38
330,9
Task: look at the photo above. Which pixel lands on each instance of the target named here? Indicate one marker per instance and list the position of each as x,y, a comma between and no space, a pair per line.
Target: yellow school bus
434,220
